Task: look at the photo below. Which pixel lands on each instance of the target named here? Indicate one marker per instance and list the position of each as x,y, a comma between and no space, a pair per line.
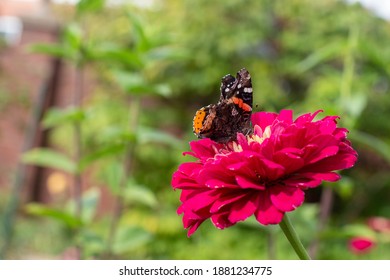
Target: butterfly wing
231,115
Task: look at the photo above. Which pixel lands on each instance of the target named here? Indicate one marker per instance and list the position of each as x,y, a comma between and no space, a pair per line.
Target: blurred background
96,105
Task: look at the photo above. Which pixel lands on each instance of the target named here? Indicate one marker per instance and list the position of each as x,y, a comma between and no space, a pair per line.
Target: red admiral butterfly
222,121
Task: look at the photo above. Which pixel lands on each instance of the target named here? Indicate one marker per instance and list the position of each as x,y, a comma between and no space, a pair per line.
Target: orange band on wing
198,120
241,104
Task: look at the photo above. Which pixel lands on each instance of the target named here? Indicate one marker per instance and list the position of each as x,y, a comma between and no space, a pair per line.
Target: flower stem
293,238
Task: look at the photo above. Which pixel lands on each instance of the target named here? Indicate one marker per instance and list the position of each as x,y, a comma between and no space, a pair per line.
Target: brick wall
22,76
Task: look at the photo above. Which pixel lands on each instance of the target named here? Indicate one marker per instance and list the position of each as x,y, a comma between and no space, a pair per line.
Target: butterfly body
222,121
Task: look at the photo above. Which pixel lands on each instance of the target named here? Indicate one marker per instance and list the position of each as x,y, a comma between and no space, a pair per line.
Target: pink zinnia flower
361,245
263,174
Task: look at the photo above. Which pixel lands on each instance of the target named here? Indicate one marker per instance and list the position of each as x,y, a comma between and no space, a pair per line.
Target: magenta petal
242,209
246,183
204,148
286,198
291,161
328,176
286,116
264,168
263,119
180,182
324,146
237,166
302,182
216,183
307,118
328,125
191,224
189,168
225,200
193,227
242,141
340,133
185,176
266,212
325,153
340,161
221,220
198,200
216,173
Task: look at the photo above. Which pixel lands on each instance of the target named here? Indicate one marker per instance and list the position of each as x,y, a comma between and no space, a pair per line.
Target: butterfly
222,121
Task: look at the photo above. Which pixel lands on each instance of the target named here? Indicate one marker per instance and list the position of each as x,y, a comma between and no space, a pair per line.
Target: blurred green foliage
156,66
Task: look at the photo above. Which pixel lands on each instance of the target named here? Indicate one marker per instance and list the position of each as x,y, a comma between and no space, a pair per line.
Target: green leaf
165,52
142,42
73,37
136,84
69,49
129,238
93,242
375,143
117,134
135,193
162,90
318,57
112,175
56,117
84,6
149,135
112,53
57,214
55,50
133,83
348,231
89,201
355,104
106,151
345,187
46,157
358,230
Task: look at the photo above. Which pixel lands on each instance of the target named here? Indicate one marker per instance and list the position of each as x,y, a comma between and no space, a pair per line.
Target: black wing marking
243,88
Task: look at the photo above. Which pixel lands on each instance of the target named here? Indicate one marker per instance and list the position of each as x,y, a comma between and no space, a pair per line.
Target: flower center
259,135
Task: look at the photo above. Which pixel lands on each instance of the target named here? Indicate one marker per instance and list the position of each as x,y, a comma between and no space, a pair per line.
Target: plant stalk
325,210
293,238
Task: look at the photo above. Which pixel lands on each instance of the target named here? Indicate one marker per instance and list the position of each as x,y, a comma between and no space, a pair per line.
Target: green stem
293,238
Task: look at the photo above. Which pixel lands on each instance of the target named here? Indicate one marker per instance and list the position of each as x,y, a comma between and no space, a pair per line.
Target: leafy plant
155,66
